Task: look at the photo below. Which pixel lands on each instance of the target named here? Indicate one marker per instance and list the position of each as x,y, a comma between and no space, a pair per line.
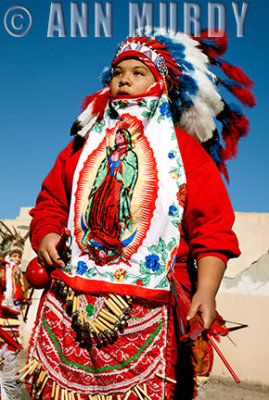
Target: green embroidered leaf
146,280
160,118
153,249
142,103
175,223
164,257
162,244
160,270
90,273
143,269
146,114
152,104
171,244
163,283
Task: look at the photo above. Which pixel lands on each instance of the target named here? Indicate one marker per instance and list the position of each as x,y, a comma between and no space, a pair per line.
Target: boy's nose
125,80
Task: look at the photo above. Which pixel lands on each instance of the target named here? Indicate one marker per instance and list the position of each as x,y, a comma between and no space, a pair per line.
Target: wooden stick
93,327
117,301
26,366
73,395
99,397
121,299
74,305
166,378
113,307
227,365
53,389
143,392
90,397
118,397
42,387
128,395
30,370
145,388
78,396
107,315
107,324
99,325
57,392
138,393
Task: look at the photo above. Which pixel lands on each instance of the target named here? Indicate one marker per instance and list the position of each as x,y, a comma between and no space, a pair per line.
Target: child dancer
143,201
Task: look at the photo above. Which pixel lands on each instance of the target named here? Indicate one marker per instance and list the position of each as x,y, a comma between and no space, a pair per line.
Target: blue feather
106,76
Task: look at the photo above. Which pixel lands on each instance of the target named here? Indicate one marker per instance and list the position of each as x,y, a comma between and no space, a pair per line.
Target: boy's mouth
122,91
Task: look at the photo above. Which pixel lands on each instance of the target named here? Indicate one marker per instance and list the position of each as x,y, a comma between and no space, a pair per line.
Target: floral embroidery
152,262
120,274
181,194
171,155
165,109
98,126
173,211
82,268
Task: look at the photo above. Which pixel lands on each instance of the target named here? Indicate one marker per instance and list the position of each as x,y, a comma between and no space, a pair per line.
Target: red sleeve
50,213
208,217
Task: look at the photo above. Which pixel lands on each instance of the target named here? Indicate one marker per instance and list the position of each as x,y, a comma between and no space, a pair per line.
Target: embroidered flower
174,174
82,268
171,155
141,101
173,211
152,262
139,282
89,309
165,109
119,275
181,194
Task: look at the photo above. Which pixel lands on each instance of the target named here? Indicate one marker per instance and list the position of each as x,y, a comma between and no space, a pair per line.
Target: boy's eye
139,73
116,73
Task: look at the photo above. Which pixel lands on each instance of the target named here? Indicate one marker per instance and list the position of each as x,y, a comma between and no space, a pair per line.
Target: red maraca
36,275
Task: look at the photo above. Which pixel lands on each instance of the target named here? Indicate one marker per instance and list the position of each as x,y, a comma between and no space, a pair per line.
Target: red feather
244,95
99,102
87,100
236,73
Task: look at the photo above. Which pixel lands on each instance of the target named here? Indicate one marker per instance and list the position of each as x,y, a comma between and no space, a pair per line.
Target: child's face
131,77
16,258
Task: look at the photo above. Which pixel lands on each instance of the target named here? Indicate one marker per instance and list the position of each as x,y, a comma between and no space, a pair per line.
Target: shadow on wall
253,280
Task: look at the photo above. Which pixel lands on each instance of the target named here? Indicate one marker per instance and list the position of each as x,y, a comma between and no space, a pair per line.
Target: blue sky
43,81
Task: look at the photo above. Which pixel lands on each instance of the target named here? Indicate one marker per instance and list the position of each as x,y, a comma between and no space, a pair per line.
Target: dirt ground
226,389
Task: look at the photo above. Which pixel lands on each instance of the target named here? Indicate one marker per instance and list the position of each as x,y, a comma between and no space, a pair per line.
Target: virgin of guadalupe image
108,212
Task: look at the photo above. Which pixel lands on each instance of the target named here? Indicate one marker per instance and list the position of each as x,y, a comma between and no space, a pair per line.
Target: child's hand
204,305
47,252
210,272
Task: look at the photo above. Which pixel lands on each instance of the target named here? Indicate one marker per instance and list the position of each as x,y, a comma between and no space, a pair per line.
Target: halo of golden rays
145,191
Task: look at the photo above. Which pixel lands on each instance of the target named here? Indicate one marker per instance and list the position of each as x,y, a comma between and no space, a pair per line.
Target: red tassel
236,73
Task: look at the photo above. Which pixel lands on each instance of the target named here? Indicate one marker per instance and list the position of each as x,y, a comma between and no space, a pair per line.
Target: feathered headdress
10,241
193,89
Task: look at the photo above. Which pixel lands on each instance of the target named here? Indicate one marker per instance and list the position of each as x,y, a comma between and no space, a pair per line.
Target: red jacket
208,217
